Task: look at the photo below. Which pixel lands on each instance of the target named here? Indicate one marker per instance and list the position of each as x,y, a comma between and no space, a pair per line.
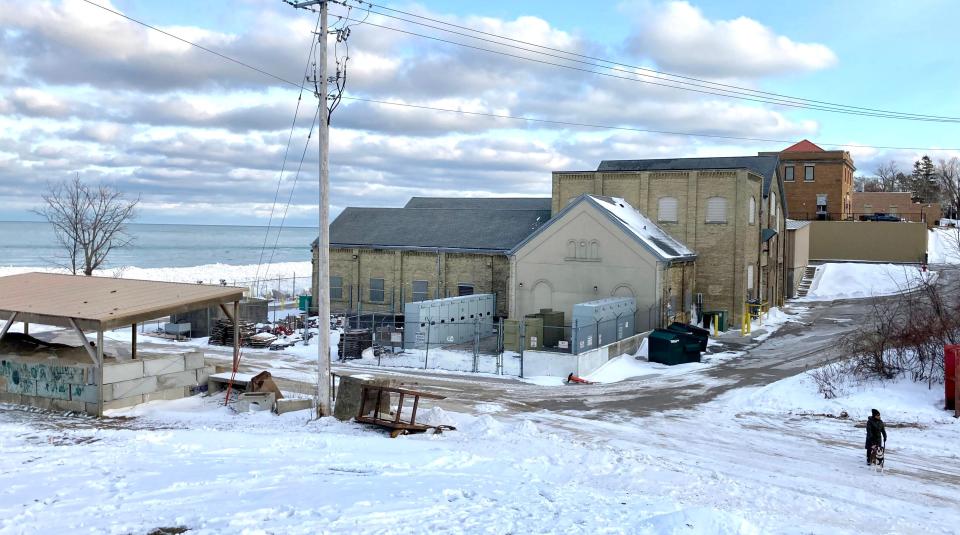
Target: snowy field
853,280
943,246
756,461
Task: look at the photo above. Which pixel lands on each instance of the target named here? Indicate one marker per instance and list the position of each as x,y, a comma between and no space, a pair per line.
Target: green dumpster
702,335
721,315
670,348
305,302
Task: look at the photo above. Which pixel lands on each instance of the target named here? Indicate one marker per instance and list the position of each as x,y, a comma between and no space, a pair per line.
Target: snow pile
898,400
698,521
852,280
620,369
943,246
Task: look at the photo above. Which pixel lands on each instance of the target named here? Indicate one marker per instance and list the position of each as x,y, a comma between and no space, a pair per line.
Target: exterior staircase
807,280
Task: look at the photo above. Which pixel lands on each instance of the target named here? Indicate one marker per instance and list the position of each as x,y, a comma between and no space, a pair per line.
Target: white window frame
792,175
420,296
664,210
716,211
752,211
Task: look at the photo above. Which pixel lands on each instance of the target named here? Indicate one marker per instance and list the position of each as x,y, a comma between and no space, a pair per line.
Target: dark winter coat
875,429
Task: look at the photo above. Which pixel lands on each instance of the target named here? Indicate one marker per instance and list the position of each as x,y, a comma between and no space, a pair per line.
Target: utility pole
323,246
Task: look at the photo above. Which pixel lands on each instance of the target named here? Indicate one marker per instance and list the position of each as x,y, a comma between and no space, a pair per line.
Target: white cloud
678,37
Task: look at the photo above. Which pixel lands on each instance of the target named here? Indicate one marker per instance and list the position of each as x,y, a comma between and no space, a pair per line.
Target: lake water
158,246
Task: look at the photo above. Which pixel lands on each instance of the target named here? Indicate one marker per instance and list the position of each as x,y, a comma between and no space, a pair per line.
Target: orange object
580,381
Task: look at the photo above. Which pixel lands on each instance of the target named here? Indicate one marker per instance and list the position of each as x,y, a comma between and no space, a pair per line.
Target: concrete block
50,404
168,394
7,397
349,395
87,393
291,405
53,389
122,403
194,360
123,371
133,387
255,401
162,364
203,374
179,379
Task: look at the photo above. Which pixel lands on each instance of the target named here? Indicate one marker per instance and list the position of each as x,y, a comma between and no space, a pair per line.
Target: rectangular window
376,290
893,209
716,210
464,289
420,290
808,173
749,276
336,287
788,173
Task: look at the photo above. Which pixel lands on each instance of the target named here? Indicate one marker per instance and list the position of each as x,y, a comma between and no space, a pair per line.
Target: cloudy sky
202,140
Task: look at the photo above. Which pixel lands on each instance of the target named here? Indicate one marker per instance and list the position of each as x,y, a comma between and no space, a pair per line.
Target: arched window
716,210
582,249
752,214
667,210
594,250
571,248
773,204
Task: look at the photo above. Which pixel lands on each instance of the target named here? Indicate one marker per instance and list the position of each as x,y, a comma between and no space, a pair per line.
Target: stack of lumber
222,333
262,340
353,342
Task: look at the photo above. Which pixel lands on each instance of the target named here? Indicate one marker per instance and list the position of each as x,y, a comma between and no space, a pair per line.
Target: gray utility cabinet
601,322
447,321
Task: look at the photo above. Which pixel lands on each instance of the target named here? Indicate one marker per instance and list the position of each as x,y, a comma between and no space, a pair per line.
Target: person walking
875,430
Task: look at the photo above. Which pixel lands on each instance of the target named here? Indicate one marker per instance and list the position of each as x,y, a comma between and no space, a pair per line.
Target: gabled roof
793,224
765,166
804,146
484,203
465,229
632,222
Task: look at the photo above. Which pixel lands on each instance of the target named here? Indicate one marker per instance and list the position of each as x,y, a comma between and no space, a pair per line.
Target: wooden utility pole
323,245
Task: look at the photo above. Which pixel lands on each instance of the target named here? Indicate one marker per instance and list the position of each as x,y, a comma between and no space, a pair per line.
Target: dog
876,455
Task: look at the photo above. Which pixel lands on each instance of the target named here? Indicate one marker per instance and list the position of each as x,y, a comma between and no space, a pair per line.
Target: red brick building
818,183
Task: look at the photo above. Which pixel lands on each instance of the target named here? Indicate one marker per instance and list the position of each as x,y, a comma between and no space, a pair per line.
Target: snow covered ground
943,246
854,280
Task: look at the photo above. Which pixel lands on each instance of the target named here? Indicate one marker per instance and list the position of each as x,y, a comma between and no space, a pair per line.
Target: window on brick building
464,289
808,173
376,290
716,210
788,173
421,290
667,210
336,287
752,213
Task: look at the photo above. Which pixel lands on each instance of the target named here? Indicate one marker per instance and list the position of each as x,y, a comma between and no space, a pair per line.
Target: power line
694,89
619,64
513,117
283,167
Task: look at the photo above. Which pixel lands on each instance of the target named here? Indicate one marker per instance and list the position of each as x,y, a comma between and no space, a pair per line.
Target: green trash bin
305,302
701,335
708,316
666,347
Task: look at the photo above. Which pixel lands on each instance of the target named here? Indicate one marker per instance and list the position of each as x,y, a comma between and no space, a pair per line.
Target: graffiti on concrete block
53,389
40,379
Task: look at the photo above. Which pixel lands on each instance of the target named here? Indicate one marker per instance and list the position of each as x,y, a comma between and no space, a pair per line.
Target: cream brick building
382,258
730,210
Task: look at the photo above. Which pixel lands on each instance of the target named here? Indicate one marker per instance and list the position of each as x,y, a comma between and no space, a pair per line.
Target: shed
98,304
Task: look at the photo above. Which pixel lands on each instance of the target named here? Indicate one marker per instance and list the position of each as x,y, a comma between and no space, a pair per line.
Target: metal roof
462,229
485,203
793,224
102,302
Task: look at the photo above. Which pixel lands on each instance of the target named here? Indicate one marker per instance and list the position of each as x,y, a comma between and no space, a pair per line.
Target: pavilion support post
236,335
26,328
100,373
133,342
84,342
226,312
8,324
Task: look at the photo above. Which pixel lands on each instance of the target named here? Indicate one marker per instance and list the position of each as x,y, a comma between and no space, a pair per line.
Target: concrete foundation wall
550,364
71,386
868,241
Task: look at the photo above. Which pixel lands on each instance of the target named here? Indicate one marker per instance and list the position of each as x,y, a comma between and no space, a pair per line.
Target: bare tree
89,222
888,177
948,172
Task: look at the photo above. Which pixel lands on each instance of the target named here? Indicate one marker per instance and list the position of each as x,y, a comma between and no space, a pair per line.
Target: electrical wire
513,117
619,64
